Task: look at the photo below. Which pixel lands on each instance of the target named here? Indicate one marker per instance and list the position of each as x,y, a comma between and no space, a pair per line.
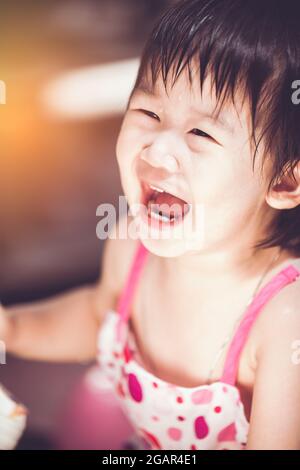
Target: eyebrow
219,121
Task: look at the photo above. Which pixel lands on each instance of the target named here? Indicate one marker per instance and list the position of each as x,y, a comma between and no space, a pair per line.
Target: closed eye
195,131
149,113
200,133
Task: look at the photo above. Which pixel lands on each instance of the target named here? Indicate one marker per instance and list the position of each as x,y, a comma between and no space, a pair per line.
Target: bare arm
62,328
275,414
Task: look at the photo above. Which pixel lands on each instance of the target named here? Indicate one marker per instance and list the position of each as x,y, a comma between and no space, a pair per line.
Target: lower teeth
153,211
160,216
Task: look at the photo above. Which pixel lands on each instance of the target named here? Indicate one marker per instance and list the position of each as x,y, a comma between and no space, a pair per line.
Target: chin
163,248
168,243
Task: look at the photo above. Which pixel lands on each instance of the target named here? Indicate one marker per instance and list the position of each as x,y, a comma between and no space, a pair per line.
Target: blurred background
57,158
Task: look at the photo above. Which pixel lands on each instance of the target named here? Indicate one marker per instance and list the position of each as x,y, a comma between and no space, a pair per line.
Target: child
198,332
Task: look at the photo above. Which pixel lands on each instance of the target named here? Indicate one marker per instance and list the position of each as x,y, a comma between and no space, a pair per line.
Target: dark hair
254,44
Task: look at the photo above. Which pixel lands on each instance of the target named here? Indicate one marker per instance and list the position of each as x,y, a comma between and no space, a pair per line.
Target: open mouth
162,206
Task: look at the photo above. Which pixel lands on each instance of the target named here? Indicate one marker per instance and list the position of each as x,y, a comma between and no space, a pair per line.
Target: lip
147,187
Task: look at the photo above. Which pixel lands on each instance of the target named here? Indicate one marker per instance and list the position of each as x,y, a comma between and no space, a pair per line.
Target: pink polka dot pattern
135,388
201,427
127,355
167,416
228,433
201,397
174,433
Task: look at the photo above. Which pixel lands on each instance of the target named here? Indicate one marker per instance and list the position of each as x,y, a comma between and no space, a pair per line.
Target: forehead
183,86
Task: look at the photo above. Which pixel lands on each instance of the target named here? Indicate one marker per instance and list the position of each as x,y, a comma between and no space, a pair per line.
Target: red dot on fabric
135,388
201,427
201,397
225,389
127,354
193,447
179,399
155,384
228,433
218,409
180,418
175,434
111,364
116,354
155,418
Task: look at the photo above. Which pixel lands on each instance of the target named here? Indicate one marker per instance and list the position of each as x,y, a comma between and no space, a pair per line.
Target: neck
236,264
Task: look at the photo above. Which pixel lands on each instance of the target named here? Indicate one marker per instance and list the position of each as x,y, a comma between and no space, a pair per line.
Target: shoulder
279,323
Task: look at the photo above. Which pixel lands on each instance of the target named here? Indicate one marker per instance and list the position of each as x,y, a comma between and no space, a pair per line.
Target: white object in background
95,91
13,418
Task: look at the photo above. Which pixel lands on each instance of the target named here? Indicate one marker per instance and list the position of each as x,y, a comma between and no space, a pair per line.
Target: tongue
170,205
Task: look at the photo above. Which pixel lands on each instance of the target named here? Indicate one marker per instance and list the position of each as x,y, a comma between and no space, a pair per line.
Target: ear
285,194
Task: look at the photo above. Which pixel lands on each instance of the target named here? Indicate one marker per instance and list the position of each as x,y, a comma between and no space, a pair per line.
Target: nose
161,154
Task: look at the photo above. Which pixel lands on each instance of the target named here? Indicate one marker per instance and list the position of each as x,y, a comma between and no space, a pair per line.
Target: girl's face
172,141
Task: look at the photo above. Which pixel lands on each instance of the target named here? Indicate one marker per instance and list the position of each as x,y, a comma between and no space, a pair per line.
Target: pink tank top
168,416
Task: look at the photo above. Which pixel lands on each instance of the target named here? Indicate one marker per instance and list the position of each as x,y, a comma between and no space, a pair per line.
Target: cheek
130,141
219,177
122,148
230,193
128,146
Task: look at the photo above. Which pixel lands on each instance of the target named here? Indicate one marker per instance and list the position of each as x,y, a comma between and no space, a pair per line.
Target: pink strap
128,291
284,277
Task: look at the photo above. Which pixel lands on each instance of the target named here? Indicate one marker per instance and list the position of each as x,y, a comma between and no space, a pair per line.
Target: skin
212,171
217,173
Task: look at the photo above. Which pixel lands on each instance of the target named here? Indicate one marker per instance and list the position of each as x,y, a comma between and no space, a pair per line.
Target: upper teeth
156,189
